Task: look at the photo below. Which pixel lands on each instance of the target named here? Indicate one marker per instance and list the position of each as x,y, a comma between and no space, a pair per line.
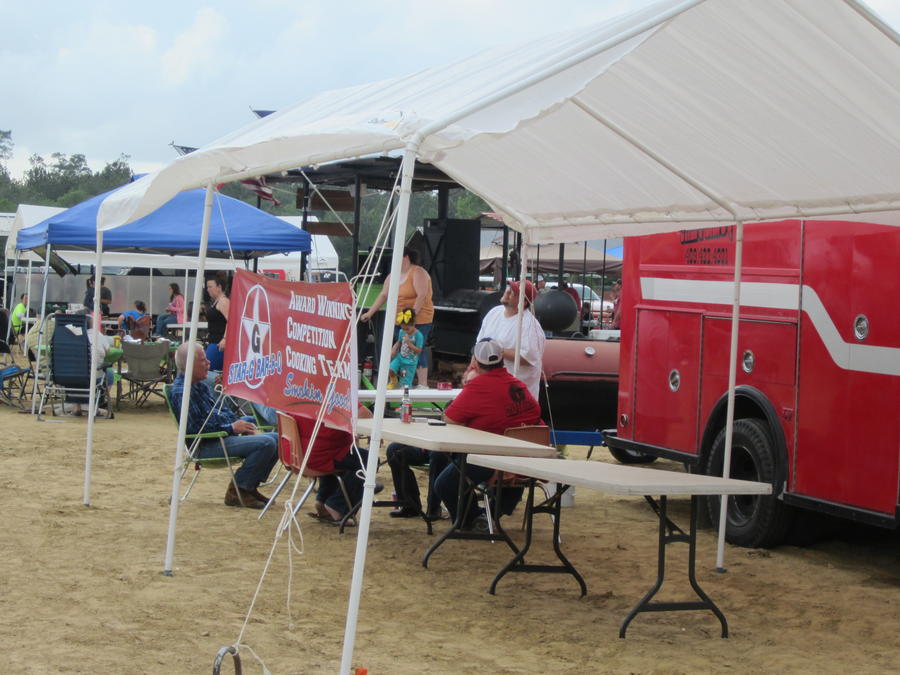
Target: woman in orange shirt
414,294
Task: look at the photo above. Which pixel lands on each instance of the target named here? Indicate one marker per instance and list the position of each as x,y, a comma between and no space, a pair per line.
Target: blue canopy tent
172,229
233,229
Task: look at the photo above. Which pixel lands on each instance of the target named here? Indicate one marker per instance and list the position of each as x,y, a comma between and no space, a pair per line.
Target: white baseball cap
488,352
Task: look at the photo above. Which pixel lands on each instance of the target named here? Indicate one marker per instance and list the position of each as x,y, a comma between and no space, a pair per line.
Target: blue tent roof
172,229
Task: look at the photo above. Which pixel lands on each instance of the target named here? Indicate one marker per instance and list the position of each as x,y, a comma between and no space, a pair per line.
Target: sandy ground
82,591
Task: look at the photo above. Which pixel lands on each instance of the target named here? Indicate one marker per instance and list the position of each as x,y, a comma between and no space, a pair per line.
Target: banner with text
284,342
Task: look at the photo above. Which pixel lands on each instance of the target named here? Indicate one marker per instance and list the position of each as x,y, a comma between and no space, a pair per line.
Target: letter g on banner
255,336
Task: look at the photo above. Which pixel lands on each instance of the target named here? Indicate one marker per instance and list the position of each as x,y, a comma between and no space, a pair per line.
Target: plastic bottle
405,407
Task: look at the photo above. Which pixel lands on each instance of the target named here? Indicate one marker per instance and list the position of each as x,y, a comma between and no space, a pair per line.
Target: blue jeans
447,487
259,452
164,320
330,492
216,356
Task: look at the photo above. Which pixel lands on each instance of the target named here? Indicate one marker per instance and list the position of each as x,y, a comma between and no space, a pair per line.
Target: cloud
195,49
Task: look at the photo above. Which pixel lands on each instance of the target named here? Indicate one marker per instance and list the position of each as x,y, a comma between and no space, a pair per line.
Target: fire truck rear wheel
631,456
753,520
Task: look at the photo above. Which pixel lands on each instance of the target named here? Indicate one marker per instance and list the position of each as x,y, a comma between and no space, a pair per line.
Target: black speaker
451,255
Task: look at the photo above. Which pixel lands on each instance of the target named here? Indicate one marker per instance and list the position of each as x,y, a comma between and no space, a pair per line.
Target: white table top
415,395
619,479
200,324
454,438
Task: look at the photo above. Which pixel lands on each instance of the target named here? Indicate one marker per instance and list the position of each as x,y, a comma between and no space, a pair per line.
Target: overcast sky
104,78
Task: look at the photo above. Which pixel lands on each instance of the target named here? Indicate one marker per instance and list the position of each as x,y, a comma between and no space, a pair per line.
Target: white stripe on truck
847,355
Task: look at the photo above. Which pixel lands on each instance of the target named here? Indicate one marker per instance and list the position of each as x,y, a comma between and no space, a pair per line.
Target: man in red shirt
333,451
492,401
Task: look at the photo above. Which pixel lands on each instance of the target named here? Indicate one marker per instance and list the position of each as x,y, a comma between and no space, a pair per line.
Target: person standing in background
216,321
617,305
105,297
414,294
502,324
88,300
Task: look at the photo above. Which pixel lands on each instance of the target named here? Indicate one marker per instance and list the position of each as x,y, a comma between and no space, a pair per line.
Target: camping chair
291,451
69,378
192,442
12,376
147,369
139,329
12,384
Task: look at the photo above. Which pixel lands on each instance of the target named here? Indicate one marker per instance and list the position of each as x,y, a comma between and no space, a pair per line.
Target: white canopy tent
684,114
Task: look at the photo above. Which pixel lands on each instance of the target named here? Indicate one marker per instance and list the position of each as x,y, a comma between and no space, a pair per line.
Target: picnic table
623,480
458,439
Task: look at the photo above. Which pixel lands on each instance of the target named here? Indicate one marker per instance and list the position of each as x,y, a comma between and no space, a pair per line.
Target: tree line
66,180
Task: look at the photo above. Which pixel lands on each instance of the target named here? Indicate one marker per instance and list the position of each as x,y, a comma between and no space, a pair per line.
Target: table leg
517,564
466,491
669,533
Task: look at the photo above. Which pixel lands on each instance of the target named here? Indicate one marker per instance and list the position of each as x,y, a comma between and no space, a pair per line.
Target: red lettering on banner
289,346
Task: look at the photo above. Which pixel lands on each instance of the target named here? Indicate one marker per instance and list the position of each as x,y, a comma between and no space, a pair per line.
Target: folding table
455,438
624,480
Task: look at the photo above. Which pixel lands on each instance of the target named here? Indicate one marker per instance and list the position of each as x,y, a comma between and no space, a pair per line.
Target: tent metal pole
27,313
732,379
92,397
603,285
504,264
28,287
37,361
13,296
520,316
357,216
188,376
150,299
390,311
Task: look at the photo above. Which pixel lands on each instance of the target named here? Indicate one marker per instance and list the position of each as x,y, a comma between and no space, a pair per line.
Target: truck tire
630,456
753,520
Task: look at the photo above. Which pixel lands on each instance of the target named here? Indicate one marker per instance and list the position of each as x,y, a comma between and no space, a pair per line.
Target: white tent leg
37,360
27,313
187,277
387,339
732,378
95,336
12,297
520,317
186,397
150,304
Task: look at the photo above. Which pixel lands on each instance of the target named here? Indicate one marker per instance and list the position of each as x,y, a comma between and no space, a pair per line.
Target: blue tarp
172,229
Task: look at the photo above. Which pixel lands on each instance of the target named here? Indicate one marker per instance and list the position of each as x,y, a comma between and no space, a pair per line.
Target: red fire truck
817,410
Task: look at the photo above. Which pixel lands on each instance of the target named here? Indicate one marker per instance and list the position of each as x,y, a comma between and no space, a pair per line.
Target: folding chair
147,369
193,442
12,376
291,451
539,434
69,377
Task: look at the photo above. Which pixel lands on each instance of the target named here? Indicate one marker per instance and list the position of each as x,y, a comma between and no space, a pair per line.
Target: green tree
6,144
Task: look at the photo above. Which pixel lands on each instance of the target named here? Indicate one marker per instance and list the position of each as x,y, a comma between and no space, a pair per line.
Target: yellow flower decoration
404,316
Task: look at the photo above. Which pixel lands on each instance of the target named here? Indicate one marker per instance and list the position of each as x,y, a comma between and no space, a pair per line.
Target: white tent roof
682,114
26,216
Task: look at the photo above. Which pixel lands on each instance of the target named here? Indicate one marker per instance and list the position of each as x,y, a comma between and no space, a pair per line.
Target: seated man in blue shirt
139,311
259,451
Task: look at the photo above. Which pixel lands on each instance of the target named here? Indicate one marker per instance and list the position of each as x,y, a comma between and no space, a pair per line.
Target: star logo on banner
255,337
